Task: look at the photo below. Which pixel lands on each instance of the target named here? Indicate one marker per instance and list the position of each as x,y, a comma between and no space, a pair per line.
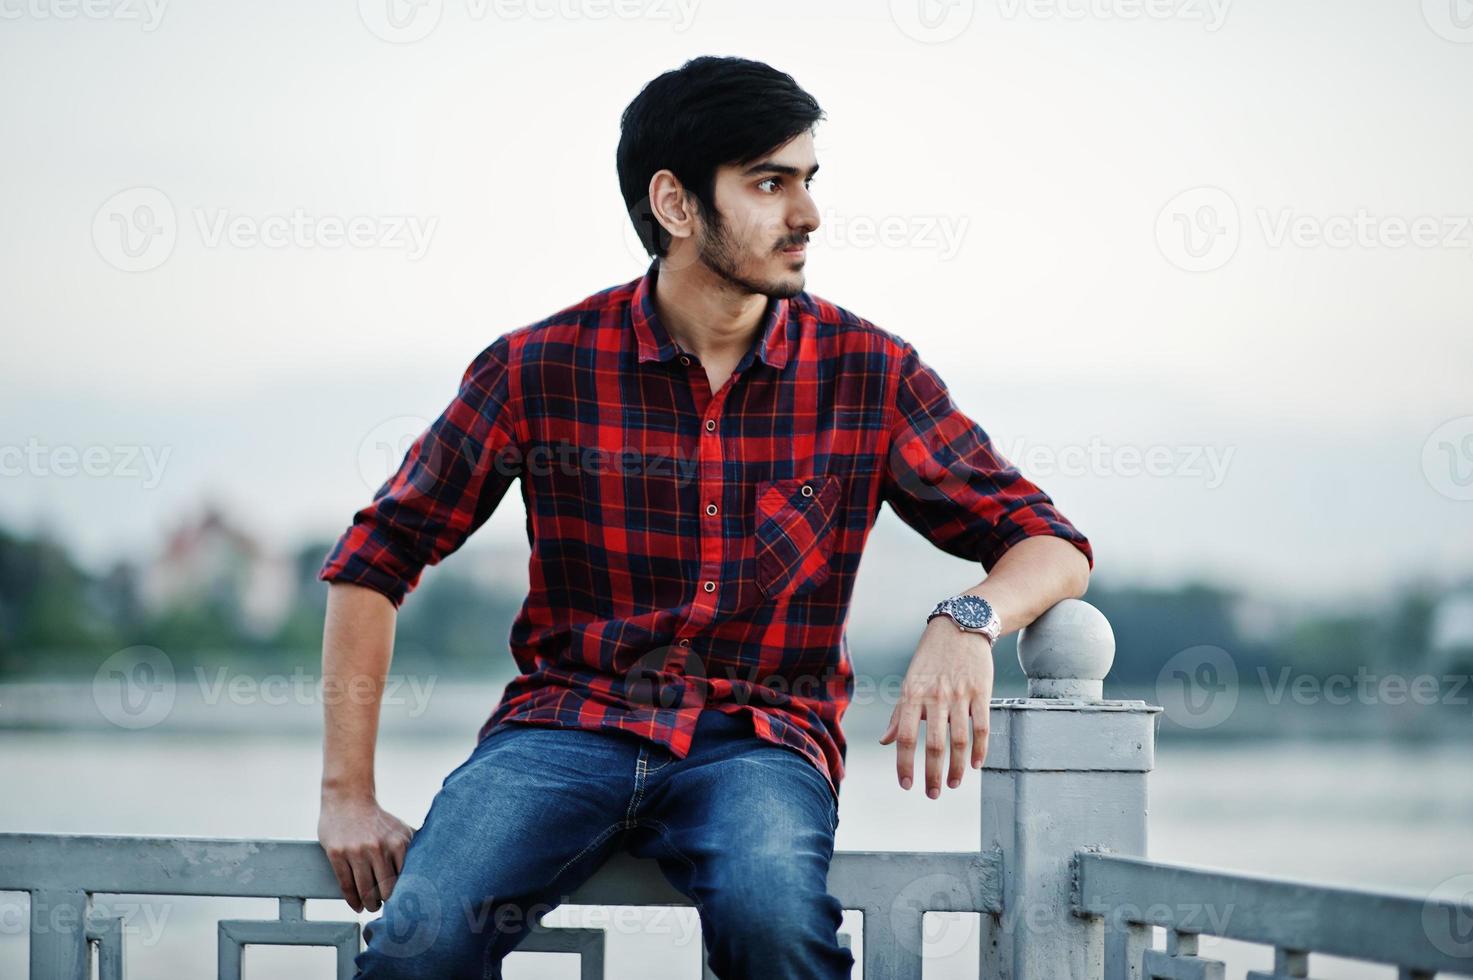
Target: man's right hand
366,846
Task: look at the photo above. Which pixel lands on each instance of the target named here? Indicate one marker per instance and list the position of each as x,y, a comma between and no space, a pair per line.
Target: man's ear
671,205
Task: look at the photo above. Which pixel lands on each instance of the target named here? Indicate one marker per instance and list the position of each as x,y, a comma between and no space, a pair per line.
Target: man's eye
807,182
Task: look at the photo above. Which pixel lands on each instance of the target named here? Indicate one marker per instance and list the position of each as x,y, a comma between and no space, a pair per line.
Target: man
702,452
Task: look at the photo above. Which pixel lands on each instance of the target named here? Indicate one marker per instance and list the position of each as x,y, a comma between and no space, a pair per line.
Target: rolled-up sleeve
946,479
450,482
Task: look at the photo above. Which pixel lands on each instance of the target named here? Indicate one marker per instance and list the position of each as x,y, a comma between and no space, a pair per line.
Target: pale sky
1233,237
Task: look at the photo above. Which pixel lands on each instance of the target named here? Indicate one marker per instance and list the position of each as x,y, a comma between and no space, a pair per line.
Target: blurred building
207,561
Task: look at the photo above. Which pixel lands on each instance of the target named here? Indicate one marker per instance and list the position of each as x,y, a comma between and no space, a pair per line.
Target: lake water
1366,814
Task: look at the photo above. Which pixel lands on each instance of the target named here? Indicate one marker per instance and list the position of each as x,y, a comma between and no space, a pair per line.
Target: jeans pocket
795,534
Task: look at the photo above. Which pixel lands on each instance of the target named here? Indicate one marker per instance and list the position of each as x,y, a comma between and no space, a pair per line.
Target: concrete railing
1059,878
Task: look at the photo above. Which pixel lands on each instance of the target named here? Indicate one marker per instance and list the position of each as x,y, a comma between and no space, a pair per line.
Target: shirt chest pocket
795,534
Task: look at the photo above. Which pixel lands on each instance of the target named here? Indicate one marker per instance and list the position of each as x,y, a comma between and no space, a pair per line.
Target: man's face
765,215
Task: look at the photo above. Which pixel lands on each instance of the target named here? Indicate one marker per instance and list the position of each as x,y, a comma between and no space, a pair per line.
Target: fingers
936,742
383,874
363,878
908,720
960,728
980,727
344,873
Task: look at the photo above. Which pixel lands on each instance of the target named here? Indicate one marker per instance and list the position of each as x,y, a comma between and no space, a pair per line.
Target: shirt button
684,360
807,490
685,641
710,586
711,509
710,425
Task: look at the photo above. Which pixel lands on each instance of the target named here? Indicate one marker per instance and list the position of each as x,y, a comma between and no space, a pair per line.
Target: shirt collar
656,344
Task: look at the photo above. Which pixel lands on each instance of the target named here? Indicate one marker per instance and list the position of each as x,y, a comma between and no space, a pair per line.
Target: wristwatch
971,613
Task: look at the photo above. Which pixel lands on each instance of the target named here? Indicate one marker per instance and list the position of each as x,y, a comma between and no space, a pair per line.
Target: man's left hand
949,686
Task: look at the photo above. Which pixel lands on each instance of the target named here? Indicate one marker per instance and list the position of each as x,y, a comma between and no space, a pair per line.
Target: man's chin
786,284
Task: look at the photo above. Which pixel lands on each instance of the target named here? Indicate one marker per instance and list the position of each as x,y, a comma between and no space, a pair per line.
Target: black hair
708,112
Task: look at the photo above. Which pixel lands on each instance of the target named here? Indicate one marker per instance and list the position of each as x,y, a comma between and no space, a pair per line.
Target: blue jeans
742,827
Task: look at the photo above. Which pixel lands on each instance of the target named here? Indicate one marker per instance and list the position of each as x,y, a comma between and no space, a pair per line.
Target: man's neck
707,315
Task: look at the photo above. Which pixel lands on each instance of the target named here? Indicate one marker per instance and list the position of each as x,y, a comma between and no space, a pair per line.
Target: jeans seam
639,774
603,836
669,846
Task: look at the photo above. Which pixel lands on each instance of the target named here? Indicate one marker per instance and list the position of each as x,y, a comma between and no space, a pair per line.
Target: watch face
971,611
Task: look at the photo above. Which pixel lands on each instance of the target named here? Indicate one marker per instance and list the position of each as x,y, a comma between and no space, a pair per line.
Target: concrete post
1065,771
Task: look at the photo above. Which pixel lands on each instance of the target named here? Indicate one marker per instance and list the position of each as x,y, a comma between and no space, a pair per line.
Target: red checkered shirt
692,549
